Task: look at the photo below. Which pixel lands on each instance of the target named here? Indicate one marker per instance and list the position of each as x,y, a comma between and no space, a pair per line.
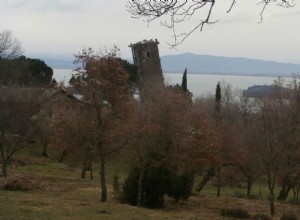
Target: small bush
180,186
261,217
289,216
130,188
156,183
18,183
235,213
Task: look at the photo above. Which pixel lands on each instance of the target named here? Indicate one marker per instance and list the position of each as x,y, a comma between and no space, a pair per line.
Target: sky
57,29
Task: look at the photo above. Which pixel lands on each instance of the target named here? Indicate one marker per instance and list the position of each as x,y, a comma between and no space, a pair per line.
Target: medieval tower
146,58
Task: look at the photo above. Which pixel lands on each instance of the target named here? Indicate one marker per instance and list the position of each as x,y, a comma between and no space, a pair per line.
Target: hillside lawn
61,194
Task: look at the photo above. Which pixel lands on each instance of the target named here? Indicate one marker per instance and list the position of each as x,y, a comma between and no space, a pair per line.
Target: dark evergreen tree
181,186
130,188
24,71
183,87
184,81
218,99
157,182
40,74
218,118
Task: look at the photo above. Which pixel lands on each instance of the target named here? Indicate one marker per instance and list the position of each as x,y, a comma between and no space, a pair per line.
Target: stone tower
146,58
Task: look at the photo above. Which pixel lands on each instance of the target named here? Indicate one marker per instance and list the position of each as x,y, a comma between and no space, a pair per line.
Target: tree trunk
140,187
219,181
91,169
3,160
283,194
62,156
45,153
4,168
271,184
102,179
285,189
83,169
272,204
207,177
249,186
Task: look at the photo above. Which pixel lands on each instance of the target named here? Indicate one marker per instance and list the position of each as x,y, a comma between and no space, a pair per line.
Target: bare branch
177,12
231,6
262,11
9,47
281,3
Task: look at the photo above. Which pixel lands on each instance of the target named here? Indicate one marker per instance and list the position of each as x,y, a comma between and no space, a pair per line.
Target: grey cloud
69,6
288,14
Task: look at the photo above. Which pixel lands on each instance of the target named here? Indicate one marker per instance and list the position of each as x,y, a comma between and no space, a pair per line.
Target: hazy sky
60,28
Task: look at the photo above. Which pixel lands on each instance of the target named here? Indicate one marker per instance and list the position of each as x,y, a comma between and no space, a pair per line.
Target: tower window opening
148,54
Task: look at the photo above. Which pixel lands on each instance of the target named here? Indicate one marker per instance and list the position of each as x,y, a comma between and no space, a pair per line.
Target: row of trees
260,137
22,89
16,69
170,139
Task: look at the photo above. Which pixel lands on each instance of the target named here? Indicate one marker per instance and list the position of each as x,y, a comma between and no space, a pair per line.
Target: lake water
198,84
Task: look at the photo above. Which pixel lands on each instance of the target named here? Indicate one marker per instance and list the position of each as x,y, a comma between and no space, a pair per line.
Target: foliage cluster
167,139
157,182
24,71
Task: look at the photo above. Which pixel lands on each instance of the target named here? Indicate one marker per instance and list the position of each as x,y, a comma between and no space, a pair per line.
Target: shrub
261,217
235,213
289,216
18,183
180,186
156,182
130,188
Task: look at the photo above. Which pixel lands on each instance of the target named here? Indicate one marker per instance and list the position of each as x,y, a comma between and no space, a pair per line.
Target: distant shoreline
235,74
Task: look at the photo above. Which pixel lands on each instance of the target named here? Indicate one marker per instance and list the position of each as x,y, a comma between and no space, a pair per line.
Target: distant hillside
266,90
206,64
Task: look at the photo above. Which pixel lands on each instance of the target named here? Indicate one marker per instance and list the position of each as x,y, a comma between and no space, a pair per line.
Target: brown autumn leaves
252,138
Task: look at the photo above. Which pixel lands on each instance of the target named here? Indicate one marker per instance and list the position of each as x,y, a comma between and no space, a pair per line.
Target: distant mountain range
205,64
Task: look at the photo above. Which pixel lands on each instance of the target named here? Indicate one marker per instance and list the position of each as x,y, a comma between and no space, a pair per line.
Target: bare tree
17,106
99,124
10,47
182,11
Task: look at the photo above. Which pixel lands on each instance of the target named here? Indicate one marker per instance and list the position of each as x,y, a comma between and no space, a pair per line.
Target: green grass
63,195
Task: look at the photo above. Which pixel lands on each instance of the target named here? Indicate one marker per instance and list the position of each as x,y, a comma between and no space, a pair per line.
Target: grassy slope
62,195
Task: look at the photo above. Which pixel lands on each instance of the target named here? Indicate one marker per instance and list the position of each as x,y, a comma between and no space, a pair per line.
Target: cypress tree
184,81
218,99
218,118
